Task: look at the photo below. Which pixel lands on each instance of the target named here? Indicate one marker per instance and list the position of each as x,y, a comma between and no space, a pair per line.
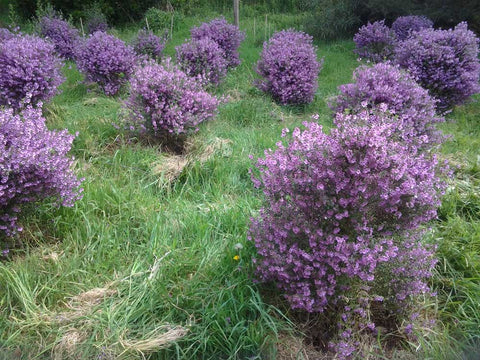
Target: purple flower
33,165
405,25
30,71
61,34
147,43
106,60
386,88
226,35
204,58
445,62
165,101
375,41
289,67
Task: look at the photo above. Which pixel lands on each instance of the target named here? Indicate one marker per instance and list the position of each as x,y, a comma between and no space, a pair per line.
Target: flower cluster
203,58
445,62
96,22
375,41
333,204
106,60
404,25
226,35
386,85
148,44
33,165
339,228
289,67
5,34
164,101
61,34
30,71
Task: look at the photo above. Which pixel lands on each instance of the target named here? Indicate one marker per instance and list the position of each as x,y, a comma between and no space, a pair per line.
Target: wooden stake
254,37
236,12
146,21
171,27
81,25
266,24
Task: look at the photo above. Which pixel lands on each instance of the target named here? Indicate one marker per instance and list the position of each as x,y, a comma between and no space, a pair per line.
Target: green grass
162,252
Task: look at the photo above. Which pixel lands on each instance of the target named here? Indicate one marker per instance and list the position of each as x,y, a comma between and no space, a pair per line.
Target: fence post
236,12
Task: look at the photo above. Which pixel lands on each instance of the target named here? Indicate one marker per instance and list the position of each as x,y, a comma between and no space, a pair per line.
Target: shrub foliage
30,71
64,36
386,85
106,60
148,44
289,67
405,25
375,41
33,165
226,35
203,57
165,102
445,62
338,229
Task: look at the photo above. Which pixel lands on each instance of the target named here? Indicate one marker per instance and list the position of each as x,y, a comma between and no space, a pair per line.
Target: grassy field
144,264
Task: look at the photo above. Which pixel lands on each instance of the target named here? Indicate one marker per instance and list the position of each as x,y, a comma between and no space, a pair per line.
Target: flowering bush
445,62
226,35
5,34
33,165
61,34
388,86
164,101
375,41
106,60
339,212
96,20
30,71
404,25
289,67
203,57
147,43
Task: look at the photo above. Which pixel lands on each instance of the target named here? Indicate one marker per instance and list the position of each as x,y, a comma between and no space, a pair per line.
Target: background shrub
95,18
165,102
404,25
203,57
33,165
226,35
339,211
386,85
160,20
148,44
289,67
445,62
375,41
61,34
5,34
106,60
30,71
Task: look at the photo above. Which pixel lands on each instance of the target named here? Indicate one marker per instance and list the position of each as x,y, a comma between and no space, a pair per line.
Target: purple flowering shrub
61,34
165,102
375,41
106,60
203,58
30,71
445,62
404,25
33,165
386,85
340,215
226,35
5,34
147,43
289,67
